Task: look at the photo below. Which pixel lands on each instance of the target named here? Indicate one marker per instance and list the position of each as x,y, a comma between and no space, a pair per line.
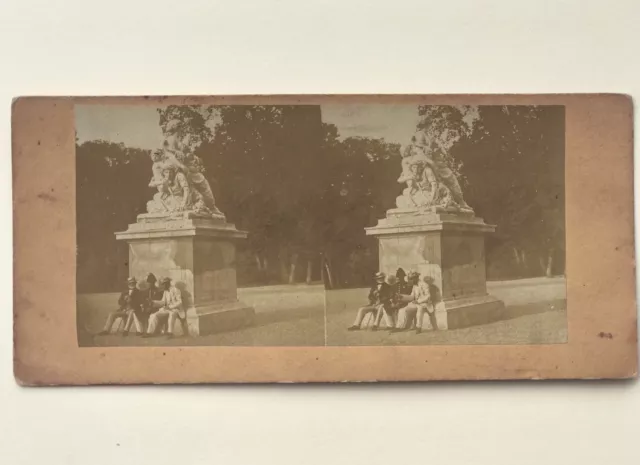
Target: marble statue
429,180
177,174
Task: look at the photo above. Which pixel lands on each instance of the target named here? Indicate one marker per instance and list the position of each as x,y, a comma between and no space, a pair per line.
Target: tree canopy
305,194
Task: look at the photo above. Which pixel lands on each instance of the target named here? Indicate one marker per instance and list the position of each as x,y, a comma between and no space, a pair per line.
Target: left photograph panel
191,226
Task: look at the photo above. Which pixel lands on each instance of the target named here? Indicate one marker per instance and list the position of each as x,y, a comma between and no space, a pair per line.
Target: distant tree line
305,195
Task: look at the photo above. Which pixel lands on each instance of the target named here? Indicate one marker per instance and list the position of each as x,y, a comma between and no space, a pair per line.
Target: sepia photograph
313,225
452,226
240,232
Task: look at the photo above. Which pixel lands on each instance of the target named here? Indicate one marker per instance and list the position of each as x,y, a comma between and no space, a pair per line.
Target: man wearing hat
403,286
424,297
400,296
129,303
379,295
416,298
429,306
170,308
151,294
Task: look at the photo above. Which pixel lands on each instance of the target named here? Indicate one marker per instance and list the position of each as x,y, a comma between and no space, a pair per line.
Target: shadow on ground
535,313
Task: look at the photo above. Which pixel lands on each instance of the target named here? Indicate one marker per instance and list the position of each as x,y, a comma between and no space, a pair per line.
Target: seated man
430,305
129,303
170,308
404,286
418,301
389,309
152,293
397,301
379,294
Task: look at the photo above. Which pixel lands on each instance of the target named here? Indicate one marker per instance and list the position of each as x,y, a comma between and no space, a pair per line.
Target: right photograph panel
447,225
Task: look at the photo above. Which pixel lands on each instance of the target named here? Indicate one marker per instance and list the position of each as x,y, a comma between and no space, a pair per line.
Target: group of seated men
154,309
402,303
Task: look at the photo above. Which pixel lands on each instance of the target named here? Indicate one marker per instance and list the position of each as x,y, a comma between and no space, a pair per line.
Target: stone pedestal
449,246
199,255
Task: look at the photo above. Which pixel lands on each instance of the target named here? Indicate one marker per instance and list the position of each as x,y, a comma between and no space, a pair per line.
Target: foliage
446,125
514,167
305,194
189,123
103,207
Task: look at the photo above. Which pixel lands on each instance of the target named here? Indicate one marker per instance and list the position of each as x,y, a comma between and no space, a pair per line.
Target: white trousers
411,313
160,316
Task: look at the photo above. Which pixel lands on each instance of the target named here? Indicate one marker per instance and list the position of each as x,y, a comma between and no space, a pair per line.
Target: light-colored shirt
420,293
172,298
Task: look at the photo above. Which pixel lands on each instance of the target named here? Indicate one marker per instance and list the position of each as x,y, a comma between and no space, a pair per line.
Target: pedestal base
219,317
199,256
448,247
463,313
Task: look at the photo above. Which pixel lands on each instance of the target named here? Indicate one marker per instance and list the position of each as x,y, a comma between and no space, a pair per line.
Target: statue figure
430,182
175,194
177,175
417,173
443,172
191,165
157,180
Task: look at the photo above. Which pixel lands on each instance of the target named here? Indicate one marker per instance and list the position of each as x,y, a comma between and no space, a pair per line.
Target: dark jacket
400,289
404,288
134,301
153,293
381,296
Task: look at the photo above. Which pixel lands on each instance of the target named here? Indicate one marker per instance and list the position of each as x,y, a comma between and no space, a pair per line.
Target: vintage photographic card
323,238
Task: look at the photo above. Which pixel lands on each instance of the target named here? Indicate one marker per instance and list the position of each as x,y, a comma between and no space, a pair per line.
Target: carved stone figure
177,174
430,181
444,174
157,180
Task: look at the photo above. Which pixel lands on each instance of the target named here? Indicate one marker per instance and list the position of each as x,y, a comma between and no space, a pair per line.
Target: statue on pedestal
430,182
178,176
434,231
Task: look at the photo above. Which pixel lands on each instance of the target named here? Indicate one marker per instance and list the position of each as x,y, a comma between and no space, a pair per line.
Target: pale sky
137,125
396,123
133,125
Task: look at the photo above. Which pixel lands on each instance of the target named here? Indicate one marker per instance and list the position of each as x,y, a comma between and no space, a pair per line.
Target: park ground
535,314
295,316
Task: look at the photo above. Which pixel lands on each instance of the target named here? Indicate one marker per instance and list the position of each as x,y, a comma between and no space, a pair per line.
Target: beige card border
600,269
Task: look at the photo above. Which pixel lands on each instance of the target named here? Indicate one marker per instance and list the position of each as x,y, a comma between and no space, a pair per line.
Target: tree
361,179
513,165
272,184
447,125
305,195
192,124
111,190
